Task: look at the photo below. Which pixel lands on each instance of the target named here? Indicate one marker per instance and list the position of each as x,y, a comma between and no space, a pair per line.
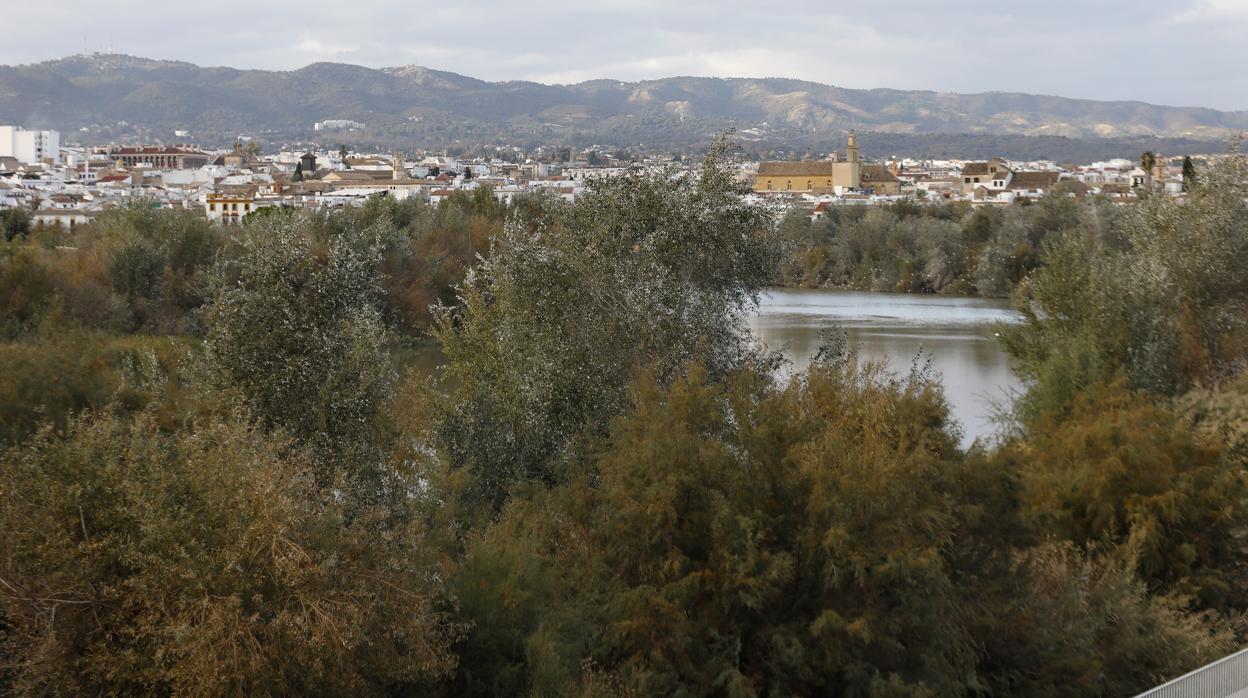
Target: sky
1180,52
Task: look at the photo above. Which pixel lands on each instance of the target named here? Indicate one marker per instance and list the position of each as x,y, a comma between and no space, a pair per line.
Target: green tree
1148,160
26,290
294,327
1189,173
646,269
14,222
1158,295
135,268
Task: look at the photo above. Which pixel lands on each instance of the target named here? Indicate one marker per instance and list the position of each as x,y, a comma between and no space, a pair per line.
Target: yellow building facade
811,177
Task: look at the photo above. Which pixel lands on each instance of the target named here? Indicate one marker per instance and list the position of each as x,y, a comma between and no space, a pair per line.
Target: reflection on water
955,333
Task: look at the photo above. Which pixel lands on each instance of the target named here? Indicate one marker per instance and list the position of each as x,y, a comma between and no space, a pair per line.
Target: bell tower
851,157
399,167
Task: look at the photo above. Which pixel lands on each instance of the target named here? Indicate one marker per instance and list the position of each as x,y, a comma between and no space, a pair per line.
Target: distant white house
66,218
336,125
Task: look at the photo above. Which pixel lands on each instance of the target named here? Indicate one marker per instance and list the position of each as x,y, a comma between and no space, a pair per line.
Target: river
955,333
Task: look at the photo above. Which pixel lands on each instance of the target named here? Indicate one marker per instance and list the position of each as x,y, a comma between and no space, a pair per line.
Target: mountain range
114,96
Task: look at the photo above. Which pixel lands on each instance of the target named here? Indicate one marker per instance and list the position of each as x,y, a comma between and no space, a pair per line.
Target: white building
30,146
337,125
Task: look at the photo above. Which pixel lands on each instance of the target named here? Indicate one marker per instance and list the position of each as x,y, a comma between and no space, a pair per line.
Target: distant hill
121,96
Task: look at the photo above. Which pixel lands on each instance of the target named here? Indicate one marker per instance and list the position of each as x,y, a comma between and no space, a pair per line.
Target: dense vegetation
216,478
938,248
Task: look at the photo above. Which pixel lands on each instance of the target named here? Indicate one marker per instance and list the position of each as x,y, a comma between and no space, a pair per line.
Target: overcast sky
1182,52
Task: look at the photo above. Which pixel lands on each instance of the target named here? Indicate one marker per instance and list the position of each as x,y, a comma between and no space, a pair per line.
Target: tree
745,538
209,562
646,269
294,327
1156,295
343,152
27,287
1148,160
1123,472
14,222
719,543
1189,173
136,267
297,176
1065,623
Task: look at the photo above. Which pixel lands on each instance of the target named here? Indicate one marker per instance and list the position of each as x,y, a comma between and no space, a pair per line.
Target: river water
955,333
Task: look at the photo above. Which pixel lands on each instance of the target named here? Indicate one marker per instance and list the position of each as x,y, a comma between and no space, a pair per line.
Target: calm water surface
955,333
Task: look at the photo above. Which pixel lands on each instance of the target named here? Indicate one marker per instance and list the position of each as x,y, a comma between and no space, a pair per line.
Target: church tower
855,166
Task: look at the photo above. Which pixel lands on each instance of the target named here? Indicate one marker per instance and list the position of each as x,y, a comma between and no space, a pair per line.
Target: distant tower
399,167
854,165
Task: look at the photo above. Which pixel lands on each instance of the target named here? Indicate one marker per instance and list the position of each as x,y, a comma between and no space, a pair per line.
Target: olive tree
294,328
650,269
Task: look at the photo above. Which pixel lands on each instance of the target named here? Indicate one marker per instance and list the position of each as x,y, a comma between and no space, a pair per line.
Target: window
968,180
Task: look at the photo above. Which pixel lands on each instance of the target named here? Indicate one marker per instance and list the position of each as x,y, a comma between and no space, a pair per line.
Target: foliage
612,492
1160,298
1068,624
141,269
51,381
742,538
939,248
720,543
293,326
14,222
1219,414
205,563
25,284
644,270
1124,473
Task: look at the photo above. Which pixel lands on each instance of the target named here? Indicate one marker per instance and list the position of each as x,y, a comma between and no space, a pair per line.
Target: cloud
324,50
1212,11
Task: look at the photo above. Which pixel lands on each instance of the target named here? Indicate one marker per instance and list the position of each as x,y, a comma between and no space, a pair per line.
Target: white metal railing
1225,678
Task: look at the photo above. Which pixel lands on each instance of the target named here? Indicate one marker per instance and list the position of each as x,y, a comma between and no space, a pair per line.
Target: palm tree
1147,162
